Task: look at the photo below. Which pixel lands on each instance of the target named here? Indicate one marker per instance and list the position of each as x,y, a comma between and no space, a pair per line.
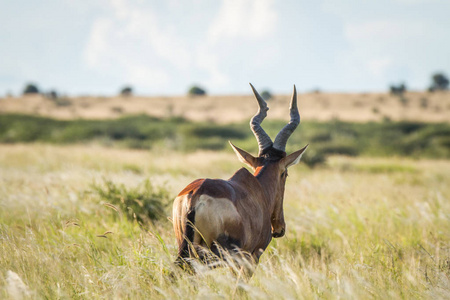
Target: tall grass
356,228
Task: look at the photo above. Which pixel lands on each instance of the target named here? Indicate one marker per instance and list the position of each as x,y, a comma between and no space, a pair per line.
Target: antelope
240,215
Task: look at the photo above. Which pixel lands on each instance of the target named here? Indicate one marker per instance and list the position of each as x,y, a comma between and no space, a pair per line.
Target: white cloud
390,50
108,51
244,18
97,44
412,2
379,66
209,61
391,41
141,41
131,41
383,30
145,76
253,20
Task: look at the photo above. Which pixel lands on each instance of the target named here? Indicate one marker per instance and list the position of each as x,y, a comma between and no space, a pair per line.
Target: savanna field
85,198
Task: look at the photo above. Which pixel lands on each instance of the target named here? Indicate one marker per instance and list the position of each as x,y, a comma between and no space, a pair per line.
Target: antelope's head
272,163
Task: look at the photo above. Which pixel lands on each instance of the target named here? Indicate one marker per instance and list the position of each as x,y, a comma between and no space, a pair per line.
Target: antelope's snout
278,233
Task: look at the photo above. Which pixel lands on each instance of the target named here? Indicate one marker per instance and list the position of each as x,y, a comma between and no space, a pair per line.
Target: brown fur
246,211
242,208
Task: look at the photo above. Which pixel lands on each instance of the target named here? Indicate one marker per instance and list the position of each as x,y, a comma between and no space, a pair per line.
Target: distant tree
30,89
52,94
397,89
126,91
266,95
196,91
439,82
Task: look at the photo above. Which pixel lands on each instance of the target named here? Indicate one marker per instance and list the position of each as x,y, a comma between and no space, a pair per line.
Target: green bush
321,137
439,82
143,132
196,91
142,203
266,95
52,95
208,131
313,158
30,88
341,149
397,89
126,91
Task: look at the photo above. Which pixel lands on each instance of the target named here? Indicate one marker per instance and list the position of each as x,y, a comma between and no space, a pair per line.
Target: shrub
321,136
143,203
30,89
208,131
126,91
196,91
266,95
144,132
439,82
58,100
314,158
397,89
340,149
52,95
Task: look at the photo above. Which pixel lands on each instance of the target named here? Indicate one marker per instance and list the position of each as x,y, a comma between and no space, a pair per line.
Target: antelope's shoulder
244,182
243,175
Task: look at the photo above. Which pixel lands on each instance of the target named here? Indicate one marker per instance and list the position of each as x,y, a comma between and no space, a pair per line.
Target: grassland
412,139
357,227
86,191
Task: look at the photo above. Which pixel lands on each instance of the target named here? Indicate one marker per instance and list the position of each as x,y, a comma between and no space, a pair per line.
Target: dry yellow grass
357,228
415,106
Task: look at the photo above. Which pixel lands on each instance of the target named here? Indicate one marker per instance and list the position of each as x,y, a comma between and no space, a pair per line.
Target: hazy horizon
162,48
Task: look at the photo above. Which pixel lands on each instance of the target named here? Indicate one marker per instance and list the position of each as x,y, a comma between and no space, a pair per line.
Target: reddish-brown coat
249,197
245,211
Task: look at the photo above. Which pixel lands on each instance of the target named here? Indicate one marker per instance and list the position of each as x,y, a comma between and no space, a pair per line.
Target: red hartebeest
243,213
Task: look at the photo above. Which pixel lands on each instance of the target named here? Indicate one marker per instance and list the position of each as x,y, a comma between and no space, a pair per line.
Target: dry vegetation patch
356,228
356,107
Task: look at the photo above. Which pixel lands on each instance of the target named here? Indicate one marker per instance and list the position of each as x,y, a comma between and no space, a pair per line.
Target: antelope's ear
244,156
293,158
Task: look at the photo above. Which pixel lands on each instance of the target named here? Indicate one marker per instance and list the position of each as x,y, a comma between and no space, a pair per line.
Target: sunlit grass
356,228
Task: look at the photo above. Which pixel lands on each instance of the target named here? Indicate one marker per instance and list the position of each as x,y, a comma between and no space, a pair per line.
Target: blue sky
162,47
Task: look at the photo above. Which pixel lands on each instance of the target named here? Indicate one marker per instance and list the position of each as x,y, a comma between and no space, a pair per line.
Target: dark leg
227,243
228,249
185,249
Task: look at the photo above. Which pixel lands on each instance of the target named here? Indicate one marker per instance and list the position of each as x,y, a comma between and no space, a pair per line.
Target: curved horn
285,133
263,139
